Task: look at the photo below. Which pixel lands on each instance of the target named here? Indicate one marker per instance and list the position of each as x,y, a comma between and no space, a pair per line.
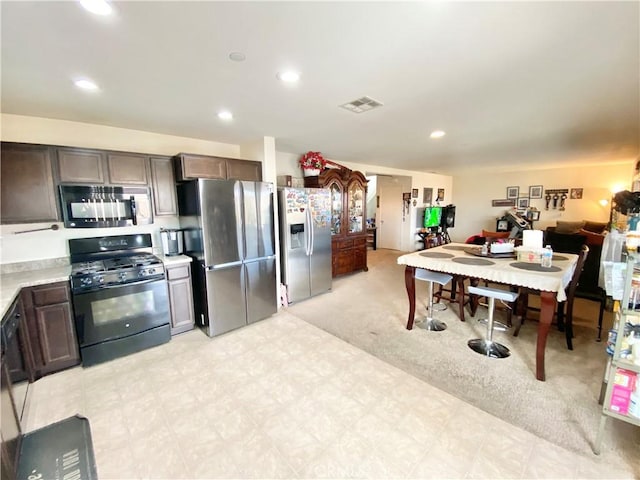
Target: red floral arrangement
312,161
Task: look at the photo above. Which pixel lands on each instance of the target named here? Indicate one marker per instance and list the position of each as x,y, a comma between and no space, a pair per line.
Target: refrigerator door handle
312,234
221,266
239,194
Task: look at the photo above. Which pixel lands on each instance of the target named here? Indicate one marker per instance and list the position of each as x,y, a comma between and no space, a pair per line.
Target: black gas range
94,274
120,296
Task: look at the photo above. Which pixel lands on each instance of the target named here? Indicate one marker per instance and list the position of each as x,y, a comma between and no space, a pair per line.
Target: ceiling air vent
363,104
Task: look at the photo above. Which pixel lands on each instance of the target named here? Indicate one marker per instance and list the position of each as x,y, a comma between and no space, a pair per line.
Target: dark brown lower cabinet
180,298
52,334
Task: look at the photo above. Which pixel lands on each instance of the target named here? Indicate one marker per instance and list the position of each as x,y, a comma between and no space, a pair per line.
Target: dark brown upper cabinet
77,165
127,169
28,189
97,167
163,186
189,167
244,170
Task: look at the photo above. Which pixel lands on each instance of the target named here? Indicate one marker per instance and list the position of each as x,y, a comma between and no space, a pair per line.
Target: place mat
454,247
436,255
559,257
473,261
534,267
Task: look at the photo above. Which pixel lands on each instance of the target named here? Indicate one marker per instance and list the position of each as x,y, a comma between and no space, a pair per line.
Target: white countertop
12,283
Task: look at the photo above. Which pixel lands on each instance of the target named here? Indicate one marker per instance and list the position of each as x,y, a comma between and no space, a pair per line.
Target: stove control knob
123,276
151,271
99,279
85,281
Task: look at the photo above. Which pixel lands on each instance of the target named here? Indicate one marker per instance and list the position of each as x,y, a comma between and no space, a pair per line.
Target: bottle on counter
485,248
547,257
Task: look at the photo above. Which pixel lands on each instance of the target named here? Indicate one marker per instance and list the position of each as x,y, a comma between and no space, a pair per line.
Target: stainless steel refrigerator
305,239
229,232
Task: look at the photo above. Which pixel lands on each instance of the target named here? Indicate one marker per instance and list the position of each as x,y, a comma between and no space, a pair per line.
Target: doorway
389,215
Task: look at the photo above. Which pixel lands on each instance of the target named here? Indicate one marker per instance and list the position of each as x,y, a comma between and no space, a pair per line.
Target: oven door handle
120,285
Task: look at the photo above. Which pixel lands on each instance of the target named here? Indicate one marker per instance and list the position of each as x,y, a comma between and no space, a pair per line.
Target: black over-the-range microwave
102,206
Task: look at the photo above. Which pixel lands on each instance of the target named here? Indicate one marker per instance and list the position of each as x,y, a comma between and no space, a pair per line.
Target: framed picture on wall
427,195
513,192
535,191
440,195
414,193
523,202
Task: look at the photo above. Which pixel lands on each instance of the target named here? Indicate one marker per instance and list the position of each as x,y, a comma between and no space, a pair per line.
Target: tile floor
284,399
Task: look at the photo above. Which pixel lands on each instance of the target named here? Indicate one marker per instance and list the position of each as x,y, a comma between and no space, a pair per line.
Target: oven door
120,310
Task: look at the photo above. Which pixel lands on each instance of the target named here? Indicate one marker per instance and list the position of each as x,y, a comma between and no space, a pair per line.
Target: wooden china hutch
348,217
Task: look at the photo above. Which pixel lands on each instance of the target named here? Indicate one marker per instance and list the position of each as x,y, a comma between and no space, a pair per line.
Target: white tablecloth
500,271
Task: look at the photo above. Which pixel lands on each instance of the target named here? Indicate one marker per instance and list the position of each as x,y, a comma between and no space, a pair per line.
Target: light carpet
369,310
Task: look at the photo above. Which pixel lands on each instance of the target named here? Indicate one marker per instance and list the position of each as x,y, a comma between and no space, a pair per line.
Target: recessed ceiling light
99,7
225,115
85,84
237,56
437,134
289,76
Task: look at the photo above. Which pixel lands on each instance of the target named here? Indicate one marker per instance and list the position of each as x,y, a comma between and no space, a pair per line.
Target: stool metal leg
431,323
487,346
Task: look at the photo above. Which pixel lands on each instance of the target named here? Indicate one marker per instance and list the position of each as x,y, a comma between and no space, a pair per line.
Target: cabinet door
180,299
163,186
355,207
50,326
27,188
80,166
336,207
189,167
58,344
127,169
244,170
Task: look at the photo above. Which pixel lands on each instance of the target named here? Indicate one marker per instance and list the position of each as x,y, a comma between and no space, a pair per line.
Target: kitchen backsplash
51,245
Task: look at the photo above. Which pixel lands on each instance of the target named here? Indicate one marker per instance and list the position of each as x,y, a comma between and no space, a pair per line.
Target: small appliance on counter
172,242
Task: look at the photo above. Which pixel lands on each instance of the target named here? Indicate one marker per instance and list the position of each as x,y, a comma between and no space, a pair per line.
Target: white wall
53,244
288,165
474,193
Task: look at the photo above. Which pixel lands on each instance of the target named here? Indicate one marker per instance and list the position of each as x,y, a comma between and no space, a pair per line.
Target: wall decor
414,193
427,194
535,191
440,195
513,192
533,215
504,202
523,202
576,194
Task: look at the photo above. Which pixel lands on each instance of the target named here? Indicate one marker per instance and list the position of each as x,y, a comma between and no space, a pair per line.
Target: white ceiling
516,84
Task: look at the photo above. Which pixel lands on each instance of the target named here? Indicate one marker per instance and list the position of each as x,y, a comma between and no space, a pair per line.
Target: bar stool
430,323
486,346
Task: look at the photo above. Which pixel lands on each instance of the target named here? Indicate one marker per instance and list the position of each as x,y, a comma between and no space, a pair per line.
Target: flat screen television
432,217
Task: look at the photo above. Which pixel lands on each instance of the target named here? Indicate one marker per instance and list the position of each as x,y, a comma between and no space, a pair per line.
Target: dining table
503,268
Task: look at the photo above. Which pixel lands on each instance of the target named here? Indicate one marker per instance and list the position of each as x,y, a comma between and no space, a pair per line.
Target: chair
430,323
571,293
565,324
486,346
